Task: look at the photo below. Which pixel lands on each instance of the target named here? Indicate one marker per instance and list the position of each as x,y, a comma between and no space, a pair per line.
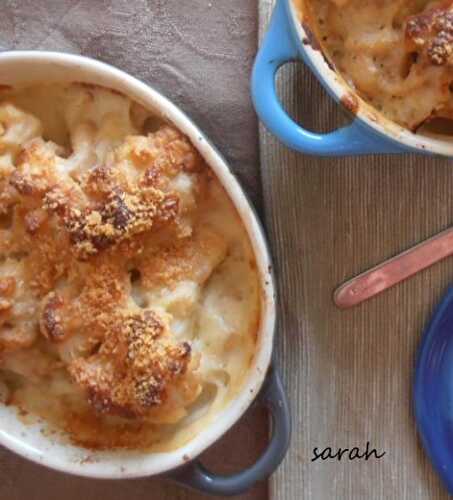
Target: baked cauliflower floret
164,160
75,315
107,110
16,128
83,156
119,217
18,308
40,167
115,201
167,151
138,368
189,259
429,42
172,276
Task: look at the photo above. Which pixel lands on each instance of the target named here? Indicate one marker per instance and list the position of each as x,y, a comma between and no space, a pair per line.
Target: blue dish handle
195,476
279,47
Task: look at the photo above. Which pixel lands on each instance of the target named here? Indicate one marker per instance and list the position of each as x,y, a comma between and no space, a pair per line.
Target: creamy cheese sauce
397,54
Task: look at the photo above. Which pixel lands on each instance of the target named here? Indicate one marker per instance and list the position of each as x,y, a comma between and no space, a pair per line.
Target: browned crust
310,38
431,34
7,286
121,216
350,102
7,289
131,372
93,87
51,319
34,220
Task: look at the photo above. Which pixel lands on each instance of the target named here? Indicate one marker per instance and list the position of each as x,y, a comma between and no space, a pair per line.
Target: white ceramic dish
20,68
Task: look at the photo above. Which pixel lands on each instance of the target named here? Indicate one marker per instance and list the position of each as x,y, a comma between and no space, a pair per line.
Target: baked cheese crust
397,54
125,273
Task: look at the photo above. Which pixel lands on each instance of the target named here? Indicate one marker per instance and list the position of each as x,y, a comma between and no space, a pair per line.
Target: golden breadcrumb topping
109,236
62,222
133,366
430,34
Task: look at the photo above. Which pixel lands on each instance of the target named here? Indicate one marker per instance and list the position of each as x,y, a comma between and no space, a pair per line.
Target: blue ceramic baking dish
289,39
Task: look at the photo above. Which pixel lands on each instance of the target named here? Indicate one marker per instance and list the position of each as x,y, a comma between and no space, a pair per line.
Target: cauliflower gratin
397,54
129,293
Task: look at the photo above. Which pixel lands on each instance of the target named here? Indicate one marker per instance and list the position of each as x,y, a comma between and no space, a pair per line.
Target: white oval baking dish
31,67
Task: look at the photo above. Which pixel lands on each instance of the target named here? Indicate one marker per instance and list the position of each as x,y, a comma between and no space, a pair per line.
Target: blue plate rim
439,455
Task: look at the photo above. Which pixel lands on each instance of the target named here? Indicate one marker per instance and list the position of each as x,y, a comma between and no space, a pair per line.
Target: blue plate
433,390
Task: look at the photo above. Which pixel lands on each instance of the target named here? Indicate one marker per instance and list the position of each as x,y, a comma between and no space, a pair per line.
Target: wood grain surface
199,54
349,373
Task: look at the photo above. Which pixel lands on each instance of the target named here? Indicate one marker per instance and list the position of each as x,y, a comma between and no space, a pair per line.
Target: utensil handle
195,476
395,270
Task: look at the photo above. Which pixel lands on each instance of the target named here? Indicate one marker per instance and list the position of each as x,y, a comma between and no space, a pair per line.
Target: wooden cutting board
349,373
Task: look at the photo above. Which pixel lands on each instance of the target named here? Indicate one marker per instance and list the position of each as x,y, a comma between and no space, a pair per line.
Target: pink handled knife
393,271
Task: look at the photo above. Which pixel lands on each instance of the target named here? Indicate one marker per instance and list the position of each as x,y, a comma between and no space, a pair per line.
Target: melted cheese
129,295
397,54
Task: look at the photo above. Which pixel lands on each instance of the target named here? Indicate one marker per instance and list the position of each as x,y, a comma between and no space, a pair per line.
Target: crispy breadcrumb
134,367
431,34
73,228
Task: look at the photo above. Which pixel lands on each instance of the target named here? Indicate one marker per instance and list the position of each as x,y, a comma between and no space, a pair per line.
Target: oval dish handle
195,476
279,47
